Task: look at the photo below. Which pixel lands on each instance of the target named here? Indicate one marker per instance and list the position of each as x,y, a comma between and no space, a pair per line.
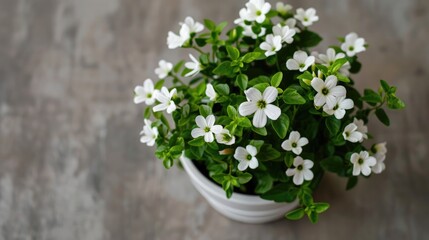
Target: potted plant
262,116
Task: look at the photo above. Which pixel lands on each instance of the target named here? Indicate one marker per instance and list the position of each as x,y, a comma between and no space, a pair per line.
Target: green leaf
385,86
306,76
351,183
261,86
147,113
222,89
333,164
291,96
371,97
244,122
257,144
197,142
276,79
308,39
333,125
260,131
323,69
259,79
209,24
159,84
268,153
232,112
201,42
282,192
321,207
295,214
251,56
178,66
205,110
281,125
342,78
265,182
313,216
233,52
244,178
168,163
242,81
382,116
337,65
223,69
197,151
395,103
221,26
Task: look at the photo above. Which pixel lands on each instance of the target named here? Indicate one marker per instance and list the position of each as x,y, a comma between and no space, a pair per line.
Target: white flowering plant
259,112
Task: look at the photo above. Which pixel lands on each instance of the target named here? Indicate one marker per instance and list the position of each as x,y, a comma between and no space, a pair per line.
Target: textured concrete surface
72,167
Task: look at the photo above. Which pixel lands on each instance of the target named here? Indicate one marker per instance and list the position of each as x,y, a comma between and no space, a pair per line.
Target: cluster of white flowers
355,131
187,29
330,57
364,163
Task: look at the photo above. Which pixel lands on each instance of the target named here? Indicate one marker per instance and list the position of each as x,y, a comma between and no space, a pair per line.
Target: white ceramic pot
240,207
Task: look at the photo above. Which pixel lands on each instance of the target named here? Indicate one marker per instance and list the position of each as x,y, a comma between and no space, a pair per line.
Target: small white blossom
301,171
192,26
210,92
206,128
243,17
300,61
248,32
195,66
164,69
149,133
256,10
282,8
327,91
330,57
246,157
188,27
260,104
225,137
380,148
341,105
271,45
353,44
145,93
295,143
362,163
284,32
307,17
164,97
351,134
379,165
361,128
291,23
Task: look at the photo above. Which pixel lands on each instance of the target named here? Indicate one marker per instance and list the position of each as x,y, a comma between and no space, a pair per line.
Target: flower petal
253,163
197,132
302,141
294,136
290,172
243,165
298,178
272,112
260,119
216,129
251,150
253,94
292,64
240,154
210,120
247,108
308,175
318,84
270,94
286,145
201,121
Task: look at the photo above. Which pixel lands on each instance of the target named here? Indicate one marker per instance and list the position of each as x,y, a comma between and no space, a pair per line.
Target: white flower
327,91
243,17
175,41
248,31
246,157
210,92
379,165
301,171
330,57
295,143
192,26
225,137
145,93
380,148
351,134
291,23
164,69
282,8
206,128
195,66
300,61
149,133
353,44
188,27
164,97
260,105
341,105
284,32
361,128
362,163
256,10
271,45
307,17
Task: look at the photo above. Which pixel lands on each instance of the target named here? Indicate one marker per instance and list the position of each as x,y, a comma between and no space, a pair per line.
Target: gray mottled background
72,167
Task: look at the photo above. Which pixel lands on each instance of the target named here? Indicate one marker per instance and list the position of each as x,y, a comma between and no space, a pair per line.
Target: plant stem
198,49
